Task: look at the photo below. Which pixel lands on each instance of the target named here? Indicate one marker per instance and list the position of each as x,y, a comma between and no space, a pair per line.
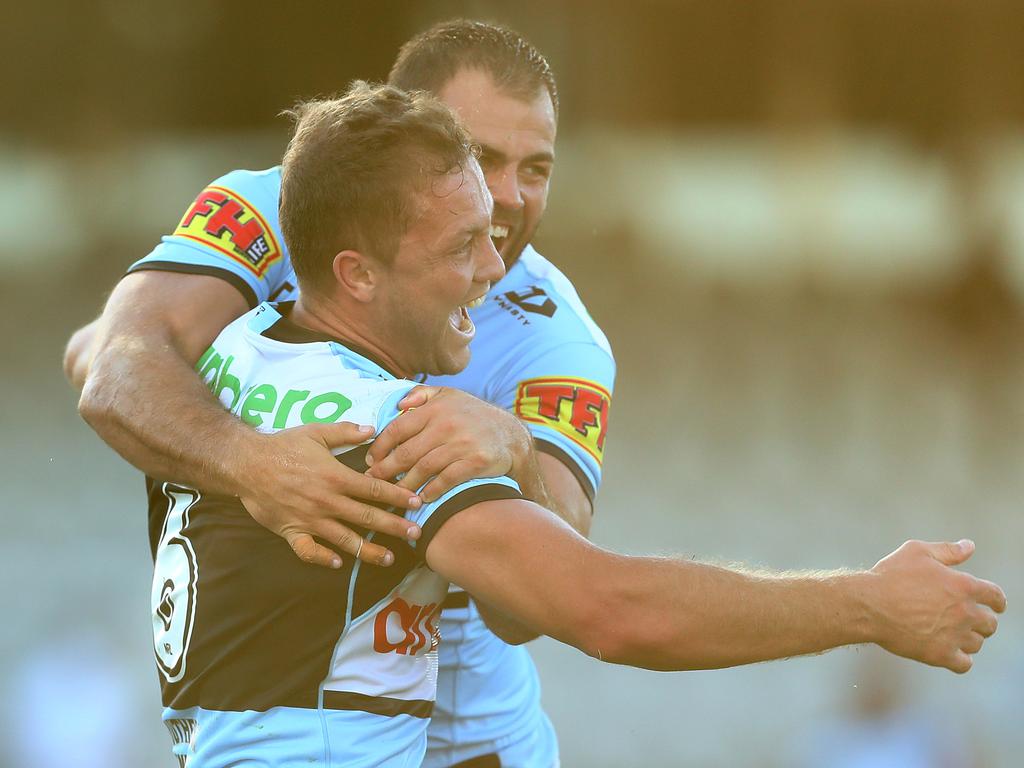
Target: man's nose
490,267
505,189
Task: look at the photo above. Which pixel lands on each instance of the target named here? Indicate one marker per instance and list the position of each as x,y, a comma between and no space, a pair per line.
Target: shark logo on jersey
222,219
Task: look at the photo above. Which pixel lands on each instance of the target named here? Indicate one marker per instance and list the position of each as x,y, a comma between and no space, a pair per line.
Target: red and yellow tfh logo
577,408
222,219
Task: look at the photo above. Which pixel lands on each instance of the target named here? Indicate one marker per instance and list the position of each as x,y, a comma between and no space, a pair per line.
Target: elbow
96,404
602,628
627,629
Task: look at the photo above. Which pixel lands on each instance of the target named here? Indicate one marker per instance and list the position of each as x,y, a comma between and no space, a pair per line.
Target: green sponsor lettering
291,397
213,362
260,399
202,360
337,404
226,381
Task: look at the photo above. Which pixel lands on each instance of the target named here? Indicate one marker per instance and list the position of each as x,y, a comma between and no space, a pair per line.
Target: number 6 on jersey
175,573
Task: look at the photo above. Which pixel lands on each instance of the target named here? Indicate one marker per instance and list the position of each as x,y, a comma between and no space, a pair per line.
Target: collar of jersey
283,329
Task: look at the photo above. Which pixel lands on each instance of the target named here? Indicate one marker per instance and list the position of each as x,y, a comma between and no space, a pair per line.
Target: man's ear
358,274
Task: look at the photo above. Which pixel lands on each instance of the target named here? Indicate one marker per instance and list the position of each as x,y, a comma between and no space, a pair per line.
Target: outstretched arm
142,396
672,614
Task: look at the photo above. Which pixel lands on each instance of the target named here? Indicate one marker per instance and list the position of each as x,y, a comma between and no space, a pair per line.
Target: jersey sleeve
430,517
563,393
230,231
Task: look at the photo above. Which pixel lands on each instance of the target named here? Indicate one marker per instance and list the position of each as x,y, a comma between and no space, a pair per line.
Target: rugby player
265,659
537,355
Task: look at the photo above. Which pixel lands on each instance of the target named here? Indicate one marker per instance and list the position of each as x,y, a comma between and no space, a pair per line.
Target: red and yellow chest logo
577,408
225,221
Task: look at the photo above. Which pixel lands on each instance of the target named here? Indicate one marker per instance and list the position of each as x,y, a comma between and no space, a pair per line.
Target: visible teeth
499,230
478,302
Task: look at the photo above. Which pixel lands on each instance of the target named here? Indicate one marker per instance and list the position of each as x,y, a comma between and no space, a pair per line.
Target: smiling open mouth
460,319
499,235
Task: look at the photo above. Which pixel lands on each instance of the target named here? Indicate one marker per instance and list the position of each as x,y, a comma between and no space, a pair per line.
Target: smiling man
537,356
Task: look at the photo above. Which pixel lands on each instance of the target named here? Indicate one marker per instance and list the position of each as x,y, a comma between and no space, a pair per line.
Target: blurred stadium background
800,222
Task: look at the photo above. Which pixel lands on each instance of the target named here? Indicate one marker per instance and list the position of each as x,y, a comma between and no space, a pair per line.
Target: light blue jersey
536,353
264,659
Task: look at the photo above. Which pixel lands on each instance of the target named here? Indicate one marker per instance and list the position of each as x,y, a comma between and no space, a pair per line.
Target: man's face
445,261
517,141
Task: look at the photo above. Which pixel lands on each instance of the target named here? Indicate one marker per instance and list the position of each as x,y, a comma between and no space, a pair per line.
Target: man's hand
930,612
295,488
450,436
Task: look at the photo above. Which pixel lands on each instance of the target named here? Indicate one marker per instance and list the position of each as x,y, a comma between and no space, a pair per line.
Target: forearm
658,613
678,614
146,401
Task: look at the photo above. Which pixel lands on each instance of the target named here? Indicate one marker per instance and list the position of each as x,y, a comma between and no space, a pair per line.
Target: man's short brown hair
353,169
435,56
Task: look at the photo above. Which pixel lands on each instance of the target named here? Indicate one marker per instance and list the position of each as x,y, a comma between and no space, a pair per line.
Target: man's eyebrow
544,156
540,157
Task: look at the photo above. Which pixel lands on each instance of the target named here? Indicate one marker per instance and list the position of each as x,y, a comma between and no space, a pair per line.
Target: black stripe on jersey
200,269
475,495
455,600
377,705
573,466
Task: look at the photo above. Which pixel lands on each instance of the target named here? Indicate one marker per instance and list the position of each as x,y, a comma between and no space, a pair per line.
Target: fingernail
369,460
336,562
965,543
388,559
415,502
413,533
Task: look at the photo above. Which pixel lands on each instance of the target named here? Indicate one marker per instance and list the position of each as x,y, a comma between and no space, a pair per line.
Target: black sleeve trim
572,464
460,501
201,269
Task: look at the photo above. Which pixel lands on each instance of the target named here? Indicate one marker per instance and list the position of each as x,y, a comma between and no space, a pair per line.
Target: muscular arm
674,614
452,437
548,482
142,396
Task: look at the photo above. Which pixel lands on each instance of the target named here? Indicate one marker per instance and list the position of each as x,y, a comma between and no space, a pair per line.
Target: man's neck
324,318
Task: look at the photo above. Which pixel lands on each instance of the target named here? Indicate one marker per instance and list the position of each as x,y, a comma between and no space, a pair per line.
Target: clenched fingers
428,466
403,428
987,593
452,475
972,643
986,624
418,397
404,457
960,663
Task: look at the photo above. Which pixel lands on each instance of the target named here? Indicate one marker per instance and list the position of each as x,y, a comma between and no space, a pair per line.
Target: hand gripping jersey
536,353
263,659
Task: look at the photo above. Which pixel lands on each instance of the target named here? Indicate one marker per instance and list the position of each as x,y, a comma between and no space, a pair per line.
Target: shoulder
266,181
543,299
